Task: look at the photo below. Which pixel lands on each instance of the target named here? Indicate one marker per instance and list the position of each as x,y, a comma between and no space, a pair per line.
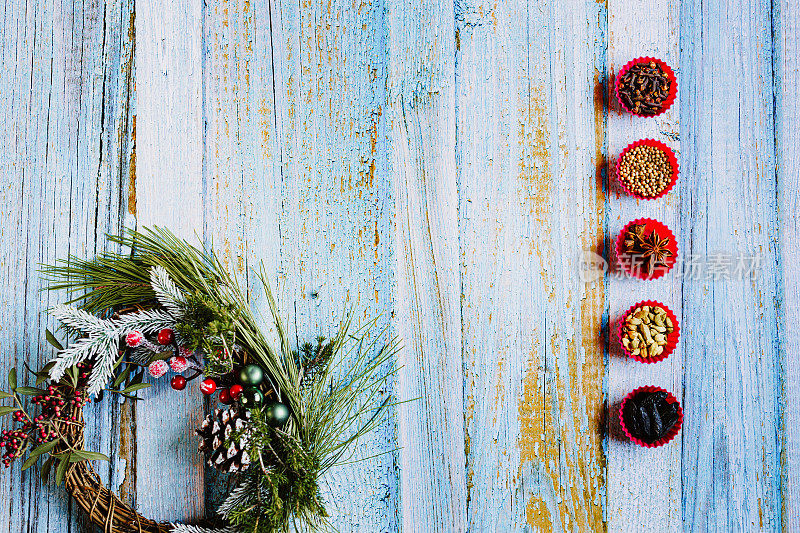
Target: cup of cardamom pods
649,332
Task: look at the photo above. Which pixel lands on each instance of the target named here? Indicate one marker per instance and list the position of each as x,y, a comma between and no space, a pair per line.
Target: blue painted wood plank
171,191
732,444
297,174
64,172
422,107
637,492
530,139
786,69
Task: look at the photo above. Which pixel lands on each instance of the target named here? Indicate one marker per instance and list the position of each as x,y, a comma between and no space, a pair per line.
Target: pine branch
168,294
148,321
101,343
77,319
183,528
239,497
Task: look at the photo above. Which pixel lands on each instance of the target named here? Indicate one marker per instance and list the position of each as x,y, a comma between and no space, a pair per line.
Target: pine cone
217,431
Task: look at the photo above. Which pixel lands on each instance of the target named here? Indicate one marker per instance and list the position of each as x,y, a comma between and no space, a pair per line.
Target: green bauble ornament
251,398
251,375
276,414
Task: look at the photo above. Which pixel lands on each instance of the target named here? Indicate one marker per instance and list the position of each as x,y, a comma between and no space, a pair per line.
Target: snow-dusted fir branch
239,497
102,340
168,294
183,528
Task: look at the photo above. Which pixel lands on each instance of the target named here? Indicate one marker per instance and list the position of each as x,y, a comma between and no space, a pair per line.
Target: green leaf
61,471
160,356
44,374
44,448
122,376
52,340
84,455
45,472
73,374
29,462
5,409
12,379
131,397
116,365
30,391
4,395
135,387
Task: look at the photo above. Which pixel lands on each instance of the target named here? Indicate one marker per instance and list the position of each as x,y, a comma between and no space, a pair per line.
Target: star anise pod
654,251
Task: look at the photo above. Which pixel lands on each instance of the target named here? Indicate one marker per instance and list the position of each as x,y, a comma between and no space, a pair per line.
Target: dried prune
648,416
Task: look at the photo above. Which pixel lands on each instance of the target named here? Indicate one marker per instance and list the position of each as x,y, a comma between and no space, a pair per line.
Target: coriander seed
645,170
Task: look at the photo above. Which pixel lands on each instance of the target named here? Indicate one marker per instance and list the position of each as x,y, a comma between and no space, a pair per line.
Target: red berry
236,391
166,336
178,383
208,386
178,364
158,368
225,397
133,339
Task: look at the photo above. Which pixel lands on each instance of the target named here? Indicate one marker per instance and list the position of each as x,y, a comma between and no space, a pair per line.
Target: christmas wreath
289,413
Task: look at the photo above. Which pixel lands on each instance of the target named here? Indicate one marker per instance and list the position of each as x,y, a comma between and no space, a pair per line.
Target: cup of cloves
646,86
648,332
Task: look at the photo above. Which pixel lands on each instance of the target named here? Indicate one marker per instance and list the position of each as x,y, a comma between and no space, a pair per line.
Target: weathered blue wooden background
443,162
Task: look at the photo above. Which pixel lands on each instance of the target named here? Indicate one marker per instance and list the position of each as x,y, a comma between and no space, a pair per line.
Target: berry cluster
58,405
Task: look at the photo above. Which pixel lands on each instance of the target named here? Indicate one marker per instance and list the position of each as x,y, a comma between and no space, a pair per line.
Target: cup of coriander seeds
647,169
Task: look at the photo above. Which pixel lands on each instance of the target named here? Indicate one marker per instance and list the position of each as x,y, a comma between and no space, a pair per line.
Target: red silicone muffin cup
634,267
673,86
670,434
673,162
672,338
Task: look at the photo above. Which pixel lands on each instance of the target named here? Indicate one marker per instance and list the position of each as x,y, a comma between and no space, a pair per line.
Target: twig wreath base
102,506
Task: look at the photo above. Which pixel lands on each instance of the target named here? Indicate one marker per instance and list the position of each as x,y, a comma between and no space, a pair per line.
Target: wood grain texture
638,492
732,445
444,162
65,86
171,191
786,69
427,289
530,136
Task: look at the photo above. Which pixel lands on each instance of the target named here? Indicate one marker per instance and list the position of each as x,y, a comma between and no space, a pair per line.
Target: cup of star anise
646,249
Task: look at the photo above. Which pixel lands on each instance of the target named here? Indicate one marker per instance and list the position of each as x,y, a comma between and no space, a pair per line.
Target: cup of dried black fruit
650,416
646,86
646,249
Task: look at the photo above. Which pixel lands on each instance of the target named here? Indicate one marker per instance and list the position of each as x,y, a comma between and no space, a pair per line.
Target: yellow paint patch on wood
538,516
535,174
132,170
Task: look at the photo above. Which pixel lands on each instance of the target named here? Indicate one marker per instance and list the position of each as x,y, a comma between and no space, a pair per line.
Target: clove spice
644,88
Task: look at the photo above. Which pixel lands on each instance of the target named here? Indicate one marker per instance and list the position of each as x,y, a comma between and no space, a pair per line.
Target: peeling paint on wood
443,162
